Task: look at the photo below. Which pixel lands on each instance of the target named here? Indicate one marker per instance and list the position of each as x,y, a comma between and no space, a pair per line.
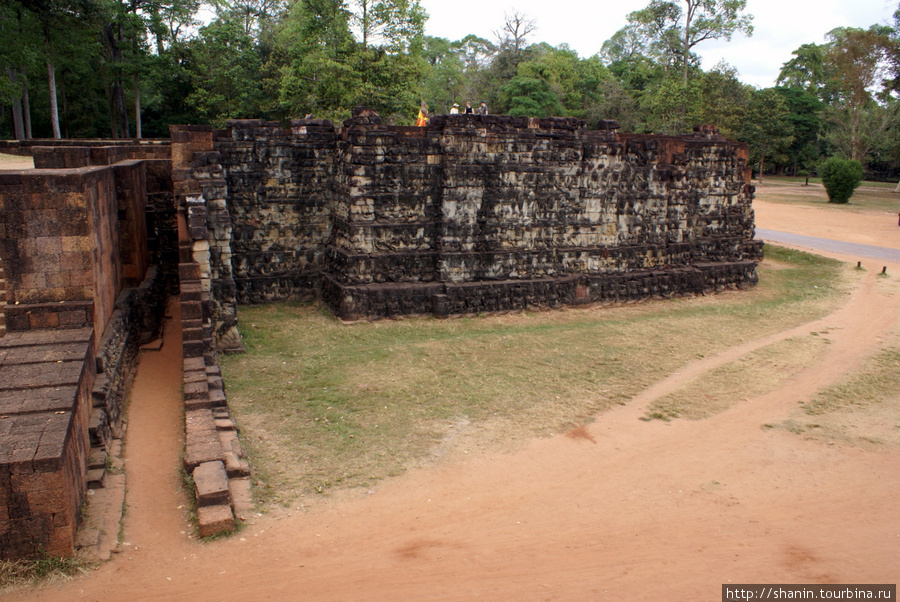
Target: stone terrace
46,379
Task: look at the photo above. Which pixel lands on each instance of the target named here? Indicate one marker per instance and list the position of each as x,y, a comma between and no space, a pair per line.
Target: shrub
840,177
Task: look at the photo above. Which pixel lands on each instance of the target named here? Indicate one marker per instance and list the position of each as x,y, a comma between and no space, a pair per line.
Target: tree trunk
113,128
26,105
65,105
112,36
137,108
685,51
18,126
762,164
121,109
51,85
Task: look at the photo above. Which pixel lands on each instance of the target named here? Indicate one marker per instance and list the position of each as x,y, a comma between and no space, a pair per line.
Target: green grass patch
324,405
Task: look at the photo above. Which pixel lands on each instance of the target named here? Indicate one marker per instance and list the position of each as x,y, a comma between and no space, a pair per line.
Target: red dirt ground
621,510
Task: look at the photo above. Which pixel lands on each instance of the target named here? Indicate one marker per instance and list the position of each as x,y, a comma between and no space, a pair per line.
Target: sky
780,26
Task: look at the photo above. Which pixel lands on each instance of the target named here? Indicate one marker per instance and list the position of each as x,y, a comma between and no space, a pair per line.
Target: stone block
235,466
217,398
195,376
95,478
213,520
196,390
188,271
211,484
194,363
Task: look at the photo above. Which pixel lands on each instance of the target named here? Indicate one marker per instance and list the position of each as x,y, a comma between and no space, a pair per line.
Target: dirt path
620,510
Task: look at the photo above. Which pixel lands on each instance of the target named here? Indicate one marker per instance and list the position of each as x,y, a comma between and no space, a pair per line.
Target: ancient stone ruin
470,214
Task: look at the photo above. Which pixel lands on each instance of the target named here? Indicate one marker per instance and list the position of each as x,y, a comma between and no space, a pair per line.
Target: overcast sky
780,26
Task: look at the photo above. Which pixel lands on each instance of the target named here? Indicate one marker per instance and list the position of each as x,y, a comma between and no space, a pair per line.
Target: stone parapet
45,411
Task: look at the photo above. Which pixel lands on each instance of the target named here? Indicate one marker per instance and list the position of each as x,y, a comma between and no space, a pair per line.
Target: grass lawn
324,405
870,196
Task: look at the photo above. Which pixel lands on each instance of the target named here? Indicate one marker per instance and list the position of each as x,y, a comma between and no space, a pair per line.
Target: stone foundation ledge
376,301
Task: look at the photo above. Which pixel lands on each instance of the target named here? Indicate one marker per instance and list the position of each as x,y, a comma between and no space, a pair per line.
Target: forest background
130,68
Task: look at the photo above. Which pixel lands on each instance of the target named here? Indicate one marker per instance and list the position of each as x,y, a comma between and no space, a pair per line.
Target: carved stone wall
280,191
481,213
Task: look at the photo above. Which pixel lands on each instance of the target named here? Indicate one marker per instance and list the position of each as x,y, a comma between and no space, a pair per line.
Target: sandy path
12,162
626,510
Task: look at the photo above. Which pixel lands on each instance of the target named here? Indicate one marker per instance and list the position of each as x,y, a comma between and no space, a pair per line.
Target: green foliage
809,71
840,177
723,101
531,97
224,73
280,59
322,69
666,102
766,128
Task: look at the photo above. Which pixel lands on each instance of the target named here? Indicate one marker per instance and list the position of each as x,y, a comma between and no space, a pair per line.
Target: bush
840,177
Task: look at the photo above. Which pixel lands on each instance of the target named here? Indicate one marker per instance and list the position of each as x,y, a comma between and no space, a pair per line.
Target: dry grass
15,574
862,410
870,196
751,375
324,405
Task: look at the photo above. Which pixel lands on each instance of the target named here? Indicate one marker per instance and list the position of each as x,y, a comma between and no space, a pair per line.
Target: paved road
832,246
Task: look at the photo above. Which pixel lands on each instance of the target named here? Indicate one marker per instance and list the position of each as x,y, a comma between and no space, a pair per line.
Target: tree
856,58
805,118
670,33
314,48
809,71
251,14
16,26
723,100
531,97
665,104
840,178
395,25
766,127
63,29
224,73
516,28
445,81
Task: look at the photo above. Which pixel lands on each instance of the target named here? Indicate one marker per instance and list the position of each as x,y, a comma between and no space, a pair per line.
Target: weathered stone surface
212,520
75,239
380,221
201,439
211,484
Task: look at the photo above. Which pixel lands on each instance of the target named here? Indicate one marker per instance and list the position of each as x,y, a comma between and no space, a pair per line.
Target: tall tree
515,31
224,71
723,100
811,71
669,31
313,51
766,127
857,58
63,26
805,117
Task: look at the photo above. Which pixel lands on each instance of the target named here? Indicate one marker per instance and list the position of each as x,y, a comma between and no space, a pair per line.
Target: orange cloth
421,120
